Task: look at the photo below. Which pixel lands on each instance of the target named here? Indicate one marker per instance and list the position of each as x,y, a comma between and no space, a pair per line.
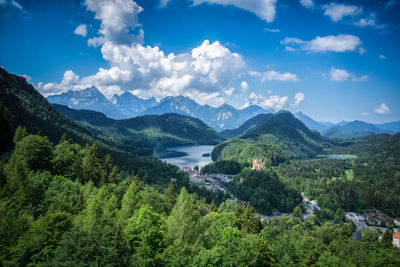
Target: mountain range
220,118
225,118
127,106
347,129
168,129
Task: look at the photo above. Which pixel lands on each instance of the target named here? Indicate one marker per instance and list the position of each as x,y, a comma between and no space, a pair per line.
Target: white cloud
119,20
201,73
264,9
147,71
255,73
81,30
370,21
338,75
298,98
382,109
288,48
244,86
382,56
164,3
272,30
362,50
276,76
229,91
307,3
27,77
274,101
330,43
364,114
362,78
337,11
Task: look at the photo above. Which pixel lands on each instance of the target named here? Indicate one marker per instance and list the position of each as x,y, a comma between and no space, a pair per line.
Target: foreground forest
71,198
65,205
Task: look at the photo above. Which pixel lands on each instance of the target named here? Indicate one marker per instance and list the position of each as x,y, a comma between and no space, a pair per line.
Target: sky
332,60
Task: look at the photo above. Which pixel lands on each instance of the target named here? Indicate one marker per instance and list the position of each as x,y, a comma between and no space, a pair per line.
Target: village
372,220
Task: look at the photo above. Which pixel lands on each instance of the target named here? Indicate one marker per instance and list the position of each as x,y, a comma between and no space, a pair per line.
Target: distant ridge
121,106
169,129
220,118
127,106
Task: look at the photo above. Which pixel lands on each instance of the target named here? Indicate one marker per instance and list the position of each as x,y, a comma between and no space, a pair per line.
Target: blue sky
333,60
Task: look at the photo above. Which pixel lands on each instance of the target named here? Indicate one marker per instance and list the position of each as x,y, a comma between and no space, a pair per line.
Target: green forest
71,198
65,205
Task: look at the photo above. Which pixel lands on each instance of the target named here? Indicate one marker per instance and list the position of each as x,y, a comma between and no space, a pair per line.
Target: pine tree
171,194
251,222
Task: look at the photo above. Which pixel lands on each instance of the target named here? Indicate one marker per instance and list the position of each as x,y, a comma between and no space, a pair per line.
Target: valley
200,133
258,176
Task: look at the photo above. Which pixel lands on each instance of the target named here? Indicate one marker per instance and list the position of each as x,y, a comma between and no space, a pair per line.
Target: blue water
190,156
341,157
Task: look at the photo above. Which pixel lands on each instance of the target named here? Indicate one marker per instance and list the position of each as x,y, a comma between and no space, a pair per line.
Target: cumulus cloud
273,75
298,98
338,75
149,72
229,91
276,76
330,43
382,56
370,21
274,101
382,109
337,11
119,20
244,86
264,9
81,30
307,3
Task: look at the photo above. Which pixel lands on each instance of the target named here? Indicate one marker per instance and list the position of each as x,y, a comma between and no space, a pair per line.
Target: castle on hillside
258,164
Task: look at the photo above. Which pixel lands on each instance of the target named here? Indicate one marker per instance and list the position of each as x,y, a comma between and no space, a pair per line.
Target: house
370,215
396,240
258,164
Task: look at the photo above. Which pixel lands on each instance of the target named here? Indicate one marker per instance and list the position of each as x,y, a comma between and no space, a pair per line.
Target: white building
396,240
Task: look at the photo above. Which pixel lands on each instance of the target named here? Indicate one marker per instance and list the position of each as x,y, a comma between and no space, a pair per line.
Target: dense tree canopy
65,205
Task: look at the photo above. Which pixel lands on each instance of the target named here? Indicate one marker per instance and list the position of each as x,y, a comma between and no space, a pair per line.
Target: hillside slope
26,107
281,130
230,133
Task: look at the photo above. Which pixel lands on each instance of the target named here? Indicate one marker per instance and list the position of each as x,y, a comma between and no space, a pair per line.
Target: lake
188,155
338,156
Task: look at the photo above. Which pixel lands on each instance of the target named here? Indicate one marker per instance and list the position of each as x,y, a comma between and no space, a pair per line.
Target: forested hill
28,108
284,124
283,131
230,133
22,105
166,129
